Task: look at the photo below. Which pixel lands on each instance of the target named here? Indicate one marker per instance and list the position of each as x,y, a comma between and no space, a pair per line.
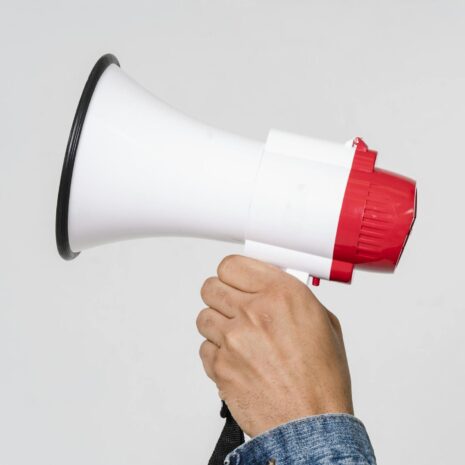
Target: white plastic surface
145,169
298,195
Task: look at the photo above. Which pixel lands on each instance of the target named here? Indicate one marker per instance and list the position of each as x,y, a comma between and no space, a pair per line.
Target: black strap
230,438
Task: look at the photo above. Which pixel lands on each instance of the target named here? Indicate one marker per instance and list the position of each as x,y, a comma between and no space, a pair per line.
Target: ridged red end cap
378,212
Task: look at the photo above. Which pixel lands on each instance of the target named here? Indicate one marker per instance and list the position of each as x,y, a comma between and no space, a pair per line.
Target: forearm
332,439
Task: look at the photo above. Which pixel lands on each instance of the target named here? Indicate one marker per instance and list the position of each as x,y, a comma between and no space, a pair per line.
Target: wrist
273,417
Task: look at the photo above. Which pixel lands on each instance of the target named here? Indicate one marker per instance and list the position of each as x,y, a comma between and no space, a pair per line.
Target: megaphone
135,167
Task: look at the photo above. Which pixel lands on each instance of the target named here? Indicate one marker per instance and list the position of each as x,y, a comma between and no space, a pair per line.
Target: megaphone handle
304,277
230,438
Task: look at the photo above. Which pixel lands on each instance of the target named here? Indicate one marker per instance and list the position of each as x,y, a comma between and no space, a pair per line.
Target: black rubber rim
61,225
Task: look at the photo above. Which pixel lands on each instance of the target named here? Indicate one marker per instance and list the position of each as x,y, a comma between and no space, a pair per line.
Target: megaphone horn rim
61,223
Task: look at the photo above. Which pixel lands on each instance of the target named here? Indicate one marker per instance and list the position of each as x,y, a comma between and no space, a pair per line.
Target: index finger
247,274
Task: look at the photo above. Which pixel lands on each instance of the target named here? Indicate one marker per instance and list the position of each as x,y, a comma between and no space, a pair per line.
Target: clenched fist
274,351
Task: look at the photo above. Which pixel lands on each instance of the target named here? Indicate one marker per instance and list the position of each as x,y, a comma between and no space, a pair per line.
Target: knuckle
220,370
226,264
257,308
254,306
232,340
203,350
216,368
260,312
265,319
243,306
203,318
207,287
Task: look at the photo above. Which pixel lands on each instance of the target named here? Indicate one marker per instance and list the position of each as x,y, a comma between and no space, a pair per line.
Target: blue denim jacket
330,439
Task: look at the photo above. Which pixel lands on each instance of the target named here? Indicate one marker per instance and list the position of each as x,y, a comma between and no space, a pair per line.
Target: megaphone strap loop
230,438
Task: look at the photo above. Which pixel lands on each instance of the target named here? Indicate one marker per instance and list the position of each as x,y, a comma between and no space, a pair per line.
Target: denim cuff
329,439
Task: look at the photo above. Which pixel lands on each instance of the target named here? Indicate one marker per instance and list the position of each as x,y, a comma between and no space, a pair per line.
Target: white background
98,357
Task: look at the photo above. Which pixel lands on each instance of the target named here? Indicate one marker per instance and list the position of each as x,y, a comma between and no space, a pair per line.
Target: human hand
274,351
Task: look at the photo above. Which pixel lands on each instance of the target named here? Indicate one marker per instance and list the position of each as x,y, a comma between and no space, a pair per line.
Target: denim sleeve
330,439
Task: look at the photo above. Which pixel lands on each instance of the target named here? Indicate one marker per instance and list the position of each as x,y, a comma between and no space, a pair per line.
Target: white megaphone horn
135,167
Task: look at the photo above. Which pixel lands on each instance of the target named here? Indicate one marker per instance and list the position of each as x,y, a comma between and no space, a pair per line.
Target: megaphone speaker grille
61,225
